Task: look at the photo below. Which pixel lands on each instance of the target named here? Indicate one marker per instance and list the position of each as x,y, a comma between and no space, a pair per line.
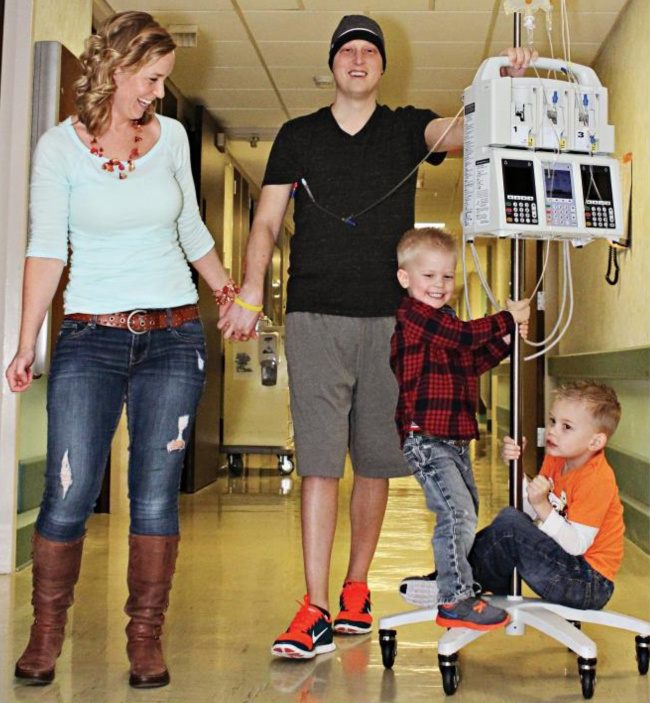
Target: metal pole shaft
516,468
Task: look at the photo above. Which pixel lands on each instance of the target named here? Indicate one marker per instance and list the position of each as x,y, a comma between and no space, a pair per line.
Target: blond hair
600,400
126,41
416,240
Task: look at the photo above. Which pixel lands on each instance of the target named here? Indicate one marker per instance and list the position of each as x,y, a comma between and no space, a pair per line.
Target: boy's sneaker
423,590
474,613
420,590
354,617
310,633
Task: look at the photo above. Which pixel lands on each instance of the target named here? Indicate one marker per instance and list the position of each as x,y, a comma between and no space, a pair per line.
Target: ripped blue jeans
444,471
95,370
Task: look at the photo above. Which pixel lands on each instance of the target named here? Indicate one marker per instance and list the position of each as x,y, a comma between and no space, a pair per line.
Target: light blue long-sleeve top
131,239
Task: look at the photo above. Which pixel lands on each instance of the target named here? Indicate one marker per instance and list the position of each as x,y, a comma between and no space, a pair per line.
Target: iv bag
527,6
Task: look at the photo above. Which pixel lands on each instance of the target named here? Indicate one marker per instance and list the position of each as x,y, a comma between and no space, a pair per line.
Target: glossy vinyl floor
238,578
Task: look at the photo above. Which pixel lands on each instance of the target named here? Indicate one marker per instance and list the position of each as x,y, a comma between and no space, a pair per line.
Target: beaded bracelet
227,294
248,306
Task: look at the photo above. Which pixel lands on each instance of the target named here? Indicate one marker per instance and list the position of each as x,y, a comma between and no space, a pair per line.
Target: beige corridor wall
65,21
616,317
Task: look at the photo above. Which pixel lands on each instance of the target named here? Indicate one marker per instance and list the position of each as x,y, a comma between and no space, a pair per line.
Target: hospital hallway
238,576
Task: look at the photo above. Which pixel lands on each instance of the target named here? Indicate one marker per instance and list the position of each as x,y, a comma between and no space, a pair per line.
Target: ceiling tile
424,26
297,77
172,5
240,99
463,5
193,82
296,53
269,4
596,6
217,53
212,25
366,6
293,26
445,54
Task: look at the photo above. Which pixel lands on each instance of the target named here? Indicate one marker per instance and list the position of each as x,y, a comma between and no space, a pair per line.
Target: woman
115,183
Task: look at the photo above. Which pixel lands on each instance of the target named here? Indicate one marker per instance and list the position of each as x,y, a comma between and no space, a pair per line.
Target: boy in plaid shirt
437,360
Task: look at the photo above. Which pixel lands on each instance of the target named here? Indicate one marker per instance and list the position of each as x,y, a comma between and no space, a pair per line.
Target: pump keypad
600,216
519,211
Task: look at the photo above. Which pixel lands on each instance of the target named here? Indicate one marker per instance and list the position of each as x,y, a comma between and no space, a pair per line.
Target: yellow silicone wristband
248,306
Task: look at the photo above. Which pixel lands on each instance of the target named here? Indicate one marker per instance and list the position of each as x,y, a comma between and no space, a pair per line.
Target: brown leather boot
55,572
152,561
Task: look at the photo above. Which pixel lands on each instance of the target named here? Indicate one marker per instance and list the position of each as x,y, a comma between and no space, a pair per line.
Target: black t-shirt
336,268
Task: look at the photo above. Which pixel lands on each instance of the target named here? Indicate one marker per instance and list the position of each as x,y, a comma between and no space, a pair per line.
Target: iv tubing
465,285
570,315
560,313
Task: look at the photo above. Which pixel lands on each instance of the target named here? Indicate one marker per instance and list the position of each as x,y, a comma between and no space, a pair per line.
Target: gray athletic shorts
343,395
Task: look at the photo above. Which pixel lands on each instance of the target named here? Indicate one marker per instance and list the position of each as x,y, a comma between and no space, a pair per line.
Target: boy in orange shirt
572,556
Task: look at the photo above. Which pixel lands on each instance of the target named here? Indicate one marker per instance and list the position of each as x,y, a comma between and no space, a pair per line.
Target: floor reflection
238,579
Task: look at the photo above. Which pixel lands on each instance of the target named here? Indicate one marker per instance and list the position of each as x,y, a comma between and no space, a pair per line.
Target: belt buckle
129,320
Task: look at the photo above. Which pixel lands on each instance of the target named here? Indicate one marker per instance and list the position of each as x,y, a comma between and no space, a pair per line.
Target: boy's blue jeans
445,473
513,540
95,369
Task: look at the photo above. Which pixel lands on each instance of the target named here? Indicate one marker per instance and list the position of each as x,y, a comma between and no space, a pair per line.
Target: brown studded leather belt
141,321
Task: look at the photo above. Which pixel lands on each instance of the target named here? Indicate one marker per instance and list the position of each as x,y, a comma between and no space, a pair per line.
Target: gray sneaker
420,590
423,590
474,613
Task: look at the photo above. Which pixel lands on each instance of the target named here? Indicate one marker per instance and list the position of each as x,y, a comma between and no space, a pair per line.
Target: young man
342,297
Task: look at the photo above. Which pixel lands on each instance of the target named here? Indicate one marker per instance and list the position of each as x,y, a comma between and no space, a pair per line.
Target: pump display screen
597,191
519,191
518,179
558,183
596,185
561,209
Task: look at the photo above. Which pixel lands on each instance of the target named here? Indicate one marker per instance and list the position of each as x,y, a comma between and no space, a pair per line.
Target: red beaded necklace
112,164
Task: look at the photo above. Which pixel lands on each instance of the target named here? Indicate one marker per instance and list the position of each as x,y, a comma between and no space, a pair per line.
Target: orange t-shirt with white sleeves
588,495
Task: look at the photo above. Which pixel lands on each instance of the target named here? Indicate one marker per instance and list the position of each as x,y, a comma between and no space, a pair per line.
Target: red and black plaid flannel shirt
437,360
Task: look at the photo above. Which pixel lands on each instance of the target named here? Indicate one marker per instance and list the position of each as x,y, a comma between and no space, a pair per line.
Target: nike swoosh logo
319,635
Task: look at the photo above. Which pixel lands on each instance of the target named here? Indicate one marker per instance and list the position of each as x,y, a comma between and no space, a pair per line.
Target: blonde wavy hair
126,41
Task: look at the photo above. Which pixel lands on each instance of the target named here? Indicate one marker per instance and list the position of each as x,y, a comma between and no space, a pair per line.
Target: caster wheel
285,464
587,671
448,666
642,651
388,644
235,464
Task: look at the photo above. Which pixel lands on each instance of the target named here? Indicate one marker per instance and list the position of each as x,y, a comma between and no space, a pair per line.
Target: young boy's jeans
444,471
513,540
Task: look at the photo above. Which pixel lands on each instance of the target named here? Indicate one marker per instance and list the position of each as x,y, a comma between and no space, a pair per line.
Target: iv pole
516,466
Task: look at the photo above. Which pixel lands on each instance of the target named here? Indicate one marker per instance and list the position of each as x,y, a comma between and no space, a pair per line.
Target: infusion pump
529,167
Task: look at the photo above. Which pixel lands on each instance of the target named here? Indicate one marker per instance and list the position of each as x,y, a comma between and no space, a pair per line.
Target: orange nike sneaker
310,633
354,617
